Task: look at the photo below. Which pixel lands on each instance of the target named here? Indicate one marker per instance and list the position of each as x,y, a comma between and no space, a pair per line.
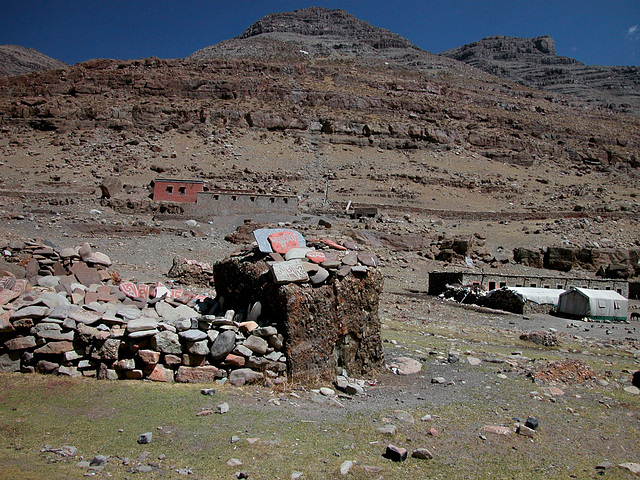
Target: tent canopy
541,296
605,305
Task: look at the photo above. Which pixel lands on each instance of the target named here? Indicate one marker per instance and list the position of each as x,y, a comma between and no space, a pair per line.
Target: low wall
223,203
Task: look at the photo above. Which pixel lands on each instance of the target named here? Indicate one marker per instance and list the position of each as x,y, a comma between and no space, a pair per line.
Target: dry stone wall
72,316
310,311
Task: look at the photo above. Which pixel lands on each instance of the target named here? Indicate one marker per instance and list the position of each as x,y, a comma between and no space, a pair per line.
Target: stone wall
224,203
326,327
492,281
73,316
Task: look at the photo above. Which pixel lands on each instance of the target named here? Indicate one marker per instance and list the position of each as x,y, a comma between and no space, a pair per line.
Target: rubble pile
322,295
73,316
563,371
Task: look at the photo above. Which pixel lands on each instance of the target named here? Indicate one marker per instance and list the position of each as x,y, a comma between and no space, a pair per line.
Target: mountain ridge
18,60
533,62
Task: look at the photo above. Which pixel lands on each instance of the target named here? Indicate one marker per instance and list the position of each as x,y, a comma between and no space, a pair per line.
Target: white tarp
541,296
595,304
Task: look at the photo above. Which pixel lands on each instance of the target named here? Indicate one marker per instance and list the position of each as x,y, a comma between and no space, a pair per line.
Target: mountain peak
319,21
17,60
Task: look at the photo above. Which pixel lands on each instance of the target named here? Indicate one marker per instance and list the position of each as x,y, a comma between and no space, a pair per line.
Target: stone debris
564,371
422,454
497,430
632,467
84,321
405,366
547,339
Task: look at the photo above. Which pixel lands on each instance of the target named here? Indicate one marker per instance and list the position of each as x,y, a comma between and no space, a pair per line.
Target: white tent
603,305
541,296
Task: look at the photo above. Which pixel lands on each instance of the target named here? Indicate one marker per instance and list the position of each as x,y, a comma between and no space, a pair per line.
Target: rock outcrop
533,62
17,60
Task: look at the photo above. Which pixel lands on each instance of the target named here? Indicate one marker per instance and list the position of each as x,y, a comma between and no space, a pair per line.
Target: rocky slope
16,60
533,62
455,153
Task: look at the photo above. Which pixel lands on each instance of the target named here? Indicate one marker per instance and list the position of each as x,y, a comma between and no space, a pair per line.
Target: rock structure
73,316
374,105
323,296
533,62
606,262
17,60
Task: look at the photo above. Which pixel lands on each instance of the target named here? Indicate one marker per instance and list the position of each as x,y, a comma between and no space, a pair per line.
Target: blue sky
596,32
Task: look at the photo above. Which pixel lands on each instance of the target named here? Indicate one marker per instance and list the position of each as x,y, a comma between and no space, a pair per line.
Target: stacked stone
70,325
292,260
323,295
67,265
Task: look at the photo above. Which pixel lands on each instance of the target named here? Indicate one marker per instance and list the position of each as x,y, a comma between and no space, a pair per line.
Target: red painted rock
176,292
144,290
332,244
129,289
281,242
6,283
20,286
316,257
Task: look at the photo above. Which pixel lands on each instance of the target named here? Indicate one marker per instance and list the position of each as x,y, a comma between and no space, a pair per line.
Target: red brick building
177,190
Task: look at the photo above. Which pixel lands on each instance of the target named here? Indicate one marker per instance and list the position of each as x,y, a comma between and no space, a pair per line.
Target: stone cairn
72,315
323,297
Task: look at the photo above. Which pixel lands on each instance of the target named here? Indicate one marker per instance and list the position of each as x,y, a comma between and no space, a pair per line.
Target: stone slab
282,242
288,271
262,237
86,275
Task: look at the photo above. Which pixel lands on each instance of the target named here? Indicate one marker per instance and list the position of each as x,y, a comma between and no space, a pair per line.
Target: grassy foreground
279,434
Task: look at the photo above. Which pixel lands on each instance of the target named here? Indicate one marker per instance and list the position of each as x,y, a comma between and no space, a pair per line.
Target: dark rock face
16,60
317,21
533,62
332,326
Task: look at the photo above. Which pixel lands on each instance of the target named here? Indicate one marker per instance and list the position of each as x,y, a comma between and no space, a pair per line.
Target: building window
234,197
253,199
273,200
503,284
182,190
532,285
286,200
619,290
559,287
216,197
492,285
170,189
546,286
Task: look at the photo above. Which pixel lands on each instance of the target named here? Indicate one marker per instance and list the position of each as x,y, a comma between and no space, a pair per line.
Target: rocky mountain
384,124
326,35
533,62
16,60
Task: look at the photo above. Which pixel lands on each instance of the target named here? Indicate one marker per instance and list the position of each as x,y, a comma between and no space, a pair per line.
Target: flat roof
176,180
